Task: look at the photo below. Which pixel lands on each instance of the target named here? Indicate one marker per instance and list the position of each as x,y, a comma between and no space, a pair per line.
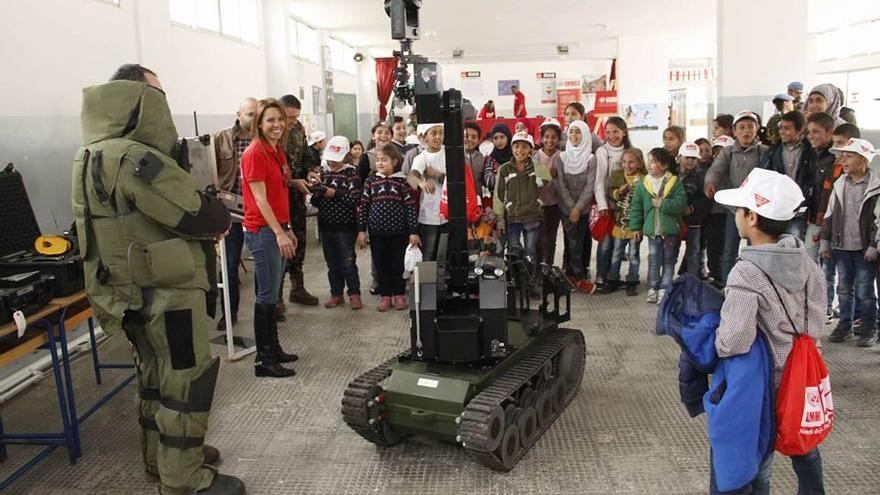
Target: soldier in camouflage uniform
147,239
295,148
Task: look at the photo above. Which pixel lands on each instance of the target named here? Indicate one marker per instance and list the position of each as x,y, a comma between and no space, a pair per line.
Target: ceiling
517,30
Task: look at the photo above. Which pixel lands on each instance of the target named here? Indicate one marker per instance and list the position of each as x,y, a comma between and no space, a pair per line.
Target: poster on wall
593,83
642,116
471,83
505,87
548,90
564,96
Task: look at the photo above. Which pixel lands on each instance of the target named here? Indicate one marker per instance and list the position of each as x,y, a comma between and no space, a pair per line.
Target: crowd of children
608,192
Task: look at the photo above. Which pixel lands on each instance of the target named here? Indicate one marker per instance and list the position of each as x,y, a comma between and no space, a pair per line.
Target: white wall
51,49
526,72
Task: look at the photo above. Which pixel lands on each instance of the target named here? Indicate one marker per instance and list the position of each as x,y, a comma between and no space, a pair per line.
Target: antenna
196,122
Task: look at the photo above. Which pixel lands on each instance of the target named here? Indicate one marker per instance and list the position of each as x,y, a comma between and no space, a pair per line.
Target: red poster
606,103
564,96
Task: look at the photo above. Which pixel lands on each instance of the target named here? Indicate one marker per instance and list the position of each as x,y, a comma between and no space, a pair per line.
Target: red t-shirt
261,163
486,114
519,105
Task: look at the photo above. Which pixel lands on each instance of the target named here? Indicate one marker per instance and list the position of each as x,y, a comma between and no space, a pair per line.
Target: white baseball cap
316,137
423,129
745,114
550,121
523,136
336,149
724,141
861,146
769,194
689,149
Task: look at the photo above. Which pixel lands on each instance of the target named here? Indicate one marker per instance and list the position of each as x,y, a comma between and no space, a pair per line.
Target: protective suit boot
212,457
224,485
266,364
277,351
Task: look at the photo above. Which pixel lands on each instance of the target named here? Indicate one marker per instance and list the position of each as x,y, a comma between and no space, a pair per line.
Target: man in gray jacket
729,170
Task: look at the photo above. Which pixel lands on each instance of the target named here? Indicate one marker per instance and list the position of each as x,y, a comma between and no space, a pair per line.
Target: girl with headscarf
501,154
575,185
826,98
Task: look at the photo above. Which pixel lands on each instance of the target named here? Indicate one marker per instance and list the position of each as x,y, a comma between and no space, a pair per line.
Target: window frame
220,32
298,53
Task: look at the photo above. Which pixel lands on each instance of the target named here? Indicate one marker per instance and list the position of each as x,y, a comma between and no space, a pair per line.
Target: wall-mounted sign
606,103
546,75
471,74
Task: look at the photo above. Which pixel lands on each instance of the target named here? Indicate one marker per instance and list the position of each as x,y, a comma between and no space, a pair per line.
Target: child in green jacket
657,209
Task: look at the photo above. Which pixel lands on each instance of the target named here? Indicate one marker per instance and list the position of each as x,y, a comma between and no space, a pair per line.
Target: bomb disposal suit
146,235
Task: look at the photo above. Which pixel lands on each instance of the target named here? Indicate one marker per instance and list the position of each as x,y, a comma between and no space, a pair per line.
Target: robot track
362,406
501,423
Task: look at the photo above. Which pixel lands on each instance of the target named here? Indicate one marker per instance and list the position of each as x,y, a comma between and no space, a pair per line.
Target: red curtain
385,68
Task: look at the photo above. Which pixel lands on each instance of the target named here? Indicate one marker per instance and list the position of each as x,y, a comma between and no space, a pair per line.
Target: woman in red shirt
267,231
488,111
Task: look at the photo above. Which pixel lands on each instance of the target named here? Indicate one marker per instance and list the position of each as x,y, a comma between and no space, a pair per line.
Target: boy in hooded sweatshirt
698,206
728,170
337,201
772,285
657,208
849,237
574,183
517,204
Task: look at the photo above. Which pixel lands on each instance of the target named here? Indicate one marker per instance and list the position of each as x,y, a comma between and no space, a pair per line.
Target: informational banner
548,90
505,87
606,103
642,116
567,91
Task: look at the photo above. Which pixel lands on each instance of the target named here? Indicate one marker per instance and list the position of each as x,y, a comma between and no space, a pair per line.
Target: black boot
632,288
277,351
610,287
224,485
266,364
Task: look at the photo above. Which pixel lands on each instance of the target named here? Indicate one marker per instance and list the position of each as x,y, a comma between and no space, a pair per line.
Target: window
342,57
232,18
862,38
861,88
302,41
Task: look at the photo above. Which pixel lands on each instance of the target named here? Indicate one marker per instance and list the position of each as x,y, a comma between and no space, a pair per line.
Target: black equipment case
27,293
18,232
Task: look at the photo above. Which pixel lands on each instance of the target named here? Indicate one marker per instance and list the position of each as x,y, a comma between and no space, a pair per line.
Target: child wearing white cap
428,173
849,237
698,206
517,201
729,169
337,200
774,288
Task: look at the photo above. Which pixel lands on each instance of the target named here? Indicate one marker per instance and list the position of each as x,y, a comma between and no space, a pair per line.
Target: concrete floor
626,432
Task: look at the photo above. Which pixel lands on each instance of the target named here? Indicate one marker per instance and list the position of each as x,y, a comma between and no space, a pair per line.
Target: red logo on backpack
804,409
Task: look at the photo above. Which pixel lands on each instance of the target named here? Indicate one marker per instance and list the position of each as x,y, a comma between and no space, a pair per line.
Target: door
345,115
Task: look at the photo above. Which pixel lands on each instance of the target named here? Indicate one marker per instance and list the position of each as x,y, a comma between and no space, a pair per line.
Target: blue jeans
662,255
856,278
234,242
693,256
341,261
617,256
731,246
515,231
830,269
808,469
268,264
575,233
603,257
433,239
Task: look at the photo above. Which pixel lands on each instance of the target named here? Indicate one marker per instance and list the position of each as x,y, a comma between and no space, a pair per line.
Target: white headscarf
576,158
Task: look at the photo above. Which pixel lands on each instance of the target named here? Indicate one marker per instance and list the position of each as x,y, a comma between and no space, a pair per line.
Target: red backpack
804,409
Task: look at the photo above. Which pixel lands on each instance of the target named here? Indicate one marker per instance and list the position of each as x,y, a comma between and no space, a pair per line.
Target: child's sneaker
334,301
355,301
400,303
610,287
652,296
586,286
660,295
384,304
